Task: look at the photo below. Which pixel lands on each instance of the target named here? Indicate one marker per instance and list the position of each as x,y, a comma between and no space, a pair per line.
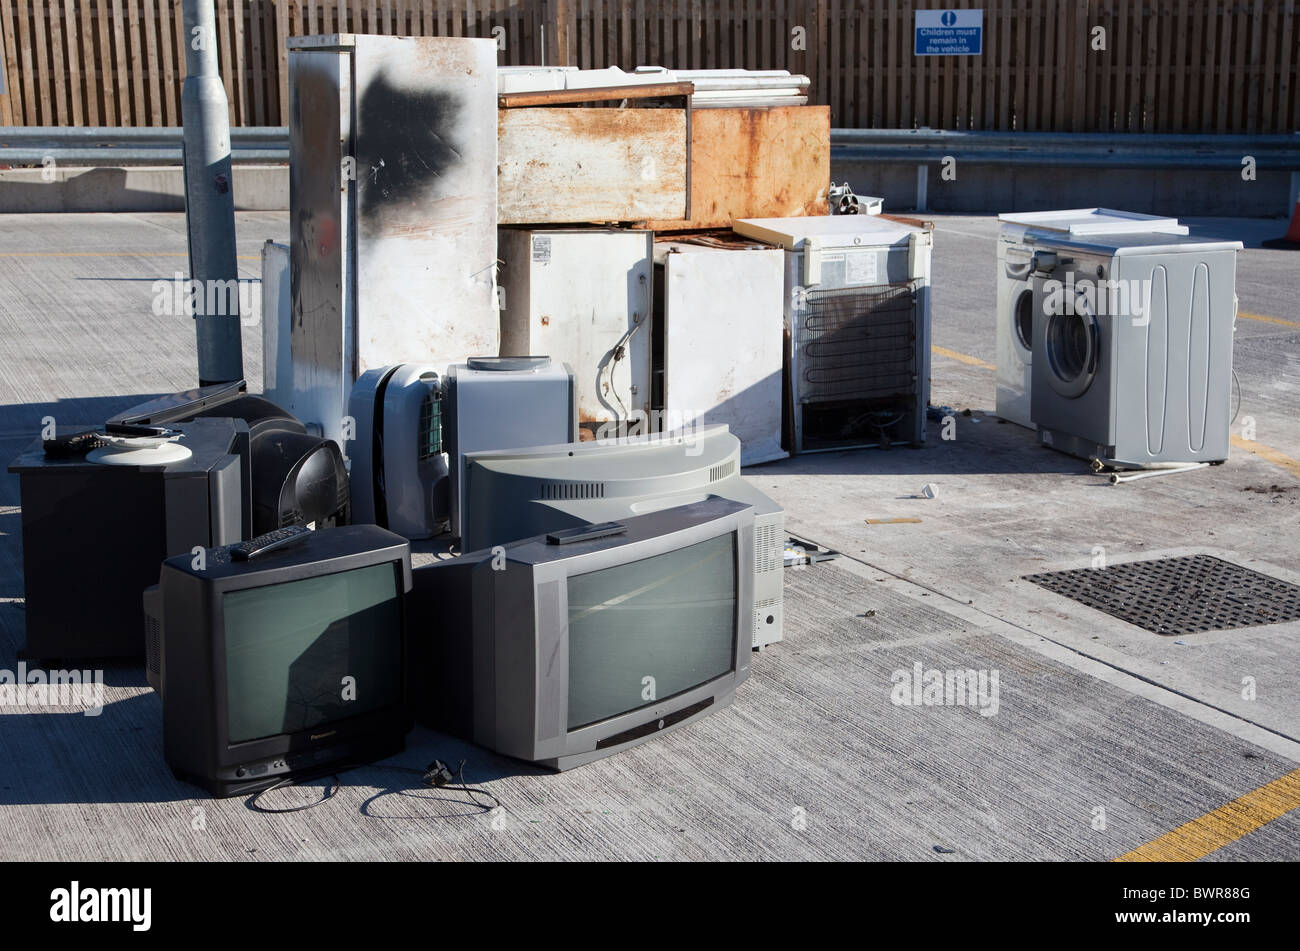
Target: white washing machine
1132,346
1017,238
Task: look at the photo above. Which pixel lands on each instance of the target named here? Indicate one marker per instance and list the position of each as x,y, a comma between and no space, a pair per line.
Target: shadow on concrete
982,444
91,189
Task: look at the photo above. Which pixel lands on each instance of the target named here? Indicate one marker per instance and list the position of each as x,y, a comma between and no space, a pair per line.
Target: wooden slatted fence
1048,65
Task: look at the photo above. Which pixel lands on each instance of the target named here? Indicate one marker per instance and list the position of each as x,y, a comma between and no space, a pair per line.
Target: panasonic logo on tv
102,904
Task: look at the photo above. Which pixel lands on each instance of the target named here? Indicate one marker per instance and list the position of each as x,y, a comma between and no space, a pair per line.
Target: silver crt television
570,646
511,494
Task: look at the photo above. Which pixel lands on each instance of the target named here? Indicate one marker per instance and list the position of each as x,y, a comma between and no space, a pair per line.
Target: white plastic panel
277,364
723,343
1086,221
578,296
832,231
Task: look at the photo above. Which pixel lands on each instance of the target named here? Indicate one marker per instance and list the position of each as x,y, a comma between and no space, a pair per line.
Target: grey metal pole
210,200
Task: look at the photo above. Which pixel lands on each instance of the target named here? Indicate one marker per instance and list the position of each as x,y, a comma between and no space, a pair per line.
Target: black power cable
437,775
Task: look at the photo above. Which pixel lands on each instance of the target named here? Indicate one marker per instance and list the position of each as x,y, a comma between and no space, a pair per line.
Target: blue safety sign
949,32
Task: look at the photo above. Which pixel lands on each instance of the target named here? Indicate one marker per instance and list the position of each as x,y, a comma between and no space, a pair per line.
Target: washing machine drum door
1022,323
1071,341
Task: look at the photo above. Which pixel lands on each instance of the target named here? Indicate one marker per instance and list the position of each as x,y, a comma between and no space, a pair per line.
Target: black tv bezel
213,761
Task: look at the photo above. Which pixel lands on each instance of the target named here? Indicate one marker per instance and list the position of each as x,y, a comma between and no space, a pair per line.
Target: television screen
647,630
305,653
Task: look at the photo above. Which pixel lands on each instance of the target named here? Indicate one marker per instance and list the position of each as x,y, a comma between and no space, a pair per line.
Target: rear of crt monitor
504,403
494,636
399,479
512,495
140,515
192,661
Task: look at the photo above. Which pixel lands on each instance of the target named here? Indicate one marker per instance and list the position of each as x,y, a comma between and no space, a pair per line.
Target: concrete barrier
134,188
993,188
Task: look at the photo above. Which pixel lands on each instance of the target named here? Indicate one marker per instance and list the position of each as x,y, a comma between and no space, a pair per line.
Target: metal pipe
209,195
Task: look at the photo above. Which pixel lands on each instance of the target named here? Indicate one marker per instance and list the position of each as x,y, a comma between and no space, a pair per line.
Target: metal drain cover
1175,596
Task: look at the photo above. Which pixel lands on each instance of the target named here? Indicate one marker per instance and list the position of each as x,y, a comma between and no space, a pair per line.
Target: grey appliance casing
492,644
1136,385
1018,235
397,468
504,403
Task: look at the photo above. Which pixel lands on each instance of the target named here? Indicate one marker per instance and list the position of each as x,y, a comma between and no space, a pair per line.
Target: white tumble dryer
1019,235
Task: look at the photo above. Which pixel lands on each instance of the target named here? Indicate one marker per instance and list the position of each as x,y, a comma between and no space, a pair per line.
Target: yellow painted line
1214,830
961,357
1267,319
893,521
108,254
1269,454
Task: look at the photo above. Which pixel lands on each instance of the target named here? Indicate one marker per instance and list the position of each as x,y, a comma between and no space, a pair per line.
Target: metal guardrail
105,146
1082,149
95,145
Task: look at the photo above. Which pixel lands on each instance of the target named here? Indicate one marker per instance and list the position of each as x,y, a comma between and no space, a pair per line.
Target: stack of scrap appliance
664,237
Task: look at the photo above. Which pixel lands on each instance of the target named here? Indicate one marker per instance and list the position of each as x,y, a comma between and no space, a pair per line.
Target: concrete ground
1106,738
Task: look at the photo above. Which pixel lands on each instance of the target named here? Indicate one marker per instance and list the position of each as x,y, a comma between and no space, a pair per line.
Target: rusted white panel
560,165
426,157
393,209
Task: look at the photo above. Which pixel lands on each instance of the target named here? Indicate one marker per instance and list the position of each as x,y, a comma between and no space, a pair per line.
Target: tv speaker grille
769,550
152,645
572,490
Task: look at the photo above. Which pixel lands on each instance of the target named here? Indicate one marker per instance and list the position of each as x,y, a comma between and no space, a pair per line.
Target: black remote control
246,551
585,533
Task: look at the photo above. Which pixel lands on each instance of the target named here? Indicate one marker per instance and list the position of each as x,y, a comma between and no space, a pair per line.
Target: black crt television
94,534
289,664
567,647
200,468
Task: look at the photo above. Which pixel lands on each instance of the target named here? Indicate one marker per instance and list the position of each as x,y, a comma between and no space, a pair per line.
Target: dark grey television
290,664
567,647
